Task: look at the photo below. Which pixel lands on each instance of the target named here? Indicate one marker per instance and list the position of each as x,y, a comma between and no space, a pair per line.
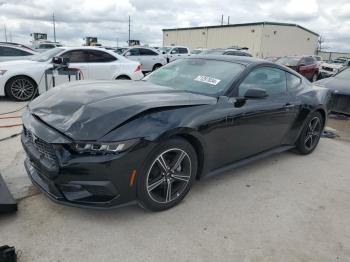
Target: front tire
21,88
311,133
168,175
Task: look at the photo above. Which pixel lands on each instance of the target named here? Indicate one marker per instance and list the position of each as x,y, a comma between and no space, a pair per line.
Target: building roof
244,24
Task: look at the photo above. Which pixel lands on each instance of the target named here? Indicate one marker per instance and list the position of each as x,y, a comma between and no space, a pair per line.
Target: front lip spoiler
60,199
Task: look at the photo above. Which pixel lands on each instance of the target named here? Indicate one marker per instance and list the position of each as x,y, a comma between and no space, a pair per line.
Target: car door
102,65
174,54
148,58
78,59
306,67
260,124
134,55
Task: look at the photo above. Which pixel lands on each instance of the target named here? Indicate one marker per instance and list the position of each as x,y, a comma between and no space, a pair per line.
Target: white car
20,80
330,68
15,52
149,58
172,53
46,45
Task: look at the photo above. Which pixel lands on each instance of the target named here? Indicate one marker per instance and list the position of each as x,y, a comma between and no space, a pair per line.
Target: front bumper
93,181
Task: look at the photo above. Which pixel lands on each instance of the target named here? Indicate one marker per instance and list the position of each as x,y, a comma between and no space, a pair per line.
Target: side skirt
248,160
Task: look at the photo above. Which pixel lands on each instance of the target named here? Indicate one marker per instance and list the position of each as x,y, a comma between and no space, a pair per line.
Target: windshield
165,49
48,55
345,74
204,76
288,61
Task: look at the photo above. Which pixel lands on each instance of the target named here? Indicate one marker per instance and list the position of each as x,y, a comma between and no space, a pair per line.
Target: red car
305,65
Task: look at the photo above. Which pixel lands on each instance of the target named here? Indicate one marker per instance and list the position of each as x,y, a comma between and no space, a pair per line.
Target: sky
108,19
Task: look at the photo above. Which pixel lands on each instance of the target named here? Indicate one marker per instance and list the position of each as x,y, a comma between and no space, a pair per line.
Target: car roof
21,47
245,60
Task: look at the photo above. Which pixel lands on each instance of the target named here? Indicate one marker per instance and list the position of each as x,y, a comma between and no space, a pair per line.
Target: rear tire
168,175
21,88
123,78
311,133
156,66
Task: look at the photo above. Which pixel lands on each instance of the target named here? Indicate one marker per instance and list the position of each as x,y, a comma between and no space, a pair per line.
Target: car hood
336,85
336,66
87,110
16,63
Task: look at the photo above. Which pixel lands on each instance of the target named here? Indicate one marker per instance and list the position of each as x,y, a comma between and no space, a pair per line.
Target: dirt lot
284,208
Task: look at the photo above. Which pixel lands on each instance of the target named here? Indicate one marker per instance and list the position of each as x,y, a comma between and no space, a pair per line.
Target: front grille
44,148
340,103
327,68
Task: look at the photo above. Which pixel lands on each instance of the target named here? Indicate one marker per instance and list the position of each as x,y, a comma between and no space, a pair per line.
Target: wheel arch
19,75
122,75
198,147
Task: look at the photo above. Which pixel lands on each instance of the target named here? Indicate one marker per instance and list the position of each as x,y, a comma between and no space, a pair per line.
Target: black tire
155,183
123,78
21,88
156,66
311,133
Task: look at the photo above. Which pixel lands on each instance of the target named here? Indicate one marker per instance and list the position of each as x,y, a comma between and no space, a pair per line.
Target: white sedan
20,80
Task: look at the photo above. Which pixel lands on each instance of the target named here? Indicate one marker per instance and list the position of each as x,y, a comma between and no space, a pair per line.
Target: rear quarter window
293,81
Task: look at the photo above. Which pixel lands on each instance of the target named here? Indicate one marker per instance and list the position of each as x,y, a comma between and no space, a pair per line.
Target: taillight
138,68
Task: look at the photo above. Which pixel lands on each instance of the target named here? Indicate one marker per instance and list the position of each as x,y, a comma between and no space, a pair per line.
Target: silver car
149,58
15,52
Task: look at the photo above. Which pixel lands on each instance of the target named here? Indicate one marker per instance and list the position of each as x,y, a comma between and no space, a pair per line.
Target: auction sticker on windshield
208,80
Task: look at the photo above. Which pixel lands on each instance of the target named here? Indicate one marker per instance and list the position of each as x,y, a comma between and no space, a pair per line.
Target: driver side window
272,80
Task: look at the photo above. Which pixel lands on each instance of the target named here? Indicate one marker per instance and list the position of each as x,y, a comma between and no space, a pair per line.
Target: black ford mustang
104,144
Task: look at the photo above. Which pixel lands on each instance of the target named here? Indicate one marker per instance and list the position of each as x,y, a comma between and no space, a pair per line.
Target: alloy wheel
22,89
313,133
168,175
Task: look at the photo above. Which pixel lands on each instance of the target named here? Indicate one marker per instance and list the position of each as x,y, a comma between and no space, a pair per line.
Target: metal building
263,38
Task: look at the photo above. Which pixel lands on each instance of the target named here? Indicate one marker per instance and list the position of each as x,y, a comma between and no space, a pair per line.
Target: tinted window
46,46
144,51
271,79
183,50
293,81
95,56
202,76
8,51
134,52
236,53
76,56
309,60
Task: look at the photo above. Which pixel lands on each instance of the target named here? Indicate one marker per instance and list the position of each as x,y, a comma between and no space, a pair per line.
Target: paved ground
285,208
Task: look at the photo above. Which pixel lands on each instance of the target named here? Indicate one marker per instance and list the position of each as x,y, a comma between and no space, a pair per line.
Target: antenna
228,20
222,19
54,27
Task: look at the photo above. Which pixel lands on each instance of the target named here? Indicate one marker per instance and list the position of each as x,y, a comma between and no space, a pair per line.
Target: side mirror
255,93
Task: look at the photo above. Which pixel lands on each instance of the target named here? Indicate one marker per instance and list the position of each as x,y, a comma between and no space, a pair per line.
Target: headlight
2,72
103,148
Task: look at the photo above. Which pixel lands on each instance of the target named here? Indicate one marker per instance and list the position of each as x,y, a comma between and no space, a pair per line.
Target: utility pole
5,33
129,32
11,37
54,27
228,20
222,19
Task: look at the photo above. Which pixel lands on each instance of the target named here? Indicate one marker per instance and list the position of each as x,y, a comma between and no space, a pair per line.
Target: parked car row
22,79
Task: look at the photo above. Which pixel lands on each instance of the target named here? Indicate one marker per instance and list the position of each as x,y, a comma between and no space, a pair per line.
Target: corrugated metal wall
287,40
262,40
